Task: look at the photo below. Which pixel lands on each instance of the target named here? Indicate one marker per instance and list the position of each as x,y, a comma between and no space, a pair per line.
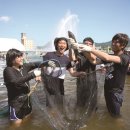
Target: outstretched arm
102,55
91,57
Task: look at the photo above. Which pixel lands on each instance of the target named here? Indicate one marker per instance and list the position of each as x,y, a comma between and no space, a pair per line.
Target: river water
100,120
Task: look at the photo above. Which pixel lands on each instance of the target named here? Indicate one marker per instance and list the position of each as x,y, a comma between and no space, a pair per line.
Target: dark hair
88,39
123,39
11,55
56,41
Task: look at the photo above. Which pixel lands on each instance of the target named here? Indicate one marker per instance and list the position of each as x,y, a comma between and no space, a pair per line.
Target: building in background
28,44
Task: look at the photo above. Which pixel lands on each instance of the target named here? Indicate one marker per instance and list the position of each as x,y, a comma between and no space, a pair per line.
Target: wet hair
11,55
88,39
56,41
123,39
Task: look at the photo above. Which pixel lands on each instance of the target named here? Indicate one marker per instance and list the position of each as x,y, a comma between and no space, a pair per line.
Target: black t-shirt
116,73
63,60
86,86
55,85
17,82
85,65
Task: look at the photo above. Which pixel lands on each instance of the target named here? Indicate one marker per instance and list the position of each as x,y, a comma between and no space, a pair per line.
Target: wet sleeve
13,78
32,65
124,59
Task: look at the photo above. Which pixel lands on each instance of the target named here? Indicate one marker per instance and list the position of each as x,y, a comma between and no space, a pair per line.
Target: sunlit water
100,120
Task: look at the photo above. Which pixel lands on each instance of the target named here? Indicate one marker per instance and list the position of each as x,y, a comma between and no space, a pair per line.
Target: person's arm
75,73
106,57
102,55
12,77
31,65
91,57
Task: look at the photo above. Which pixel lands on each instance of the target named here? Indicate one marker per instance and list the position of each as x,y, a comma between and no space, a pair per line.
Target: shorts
114,101
20,107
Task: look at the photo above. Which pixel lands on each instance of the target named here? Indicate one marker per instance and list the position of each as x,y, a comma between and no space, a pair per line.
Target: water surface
100,120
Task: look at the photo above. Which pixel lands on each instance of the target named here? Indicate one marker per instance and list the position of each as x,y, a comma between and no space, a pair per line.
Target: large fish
73,53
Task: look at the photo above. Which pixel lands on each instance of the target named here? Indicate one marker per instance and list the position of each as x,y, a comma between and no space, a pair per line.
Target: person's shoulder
125,56
125,59
6,69
49,54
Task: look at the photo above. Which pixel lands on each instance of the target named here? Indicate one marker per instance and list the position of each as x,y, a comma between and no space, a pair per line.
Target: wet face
18,61
61,47
116,46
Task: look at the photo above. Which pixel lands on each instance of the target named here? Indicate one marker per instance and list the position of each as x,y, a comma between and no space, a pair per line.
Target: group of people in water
18,74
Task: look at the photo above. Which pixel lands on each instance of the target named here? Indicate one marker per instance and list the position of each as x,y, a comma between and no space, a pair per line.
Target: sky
39,19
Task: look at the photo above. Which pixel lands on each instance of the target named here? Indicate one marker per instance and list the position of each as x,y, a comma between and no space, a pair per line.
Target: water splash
68,22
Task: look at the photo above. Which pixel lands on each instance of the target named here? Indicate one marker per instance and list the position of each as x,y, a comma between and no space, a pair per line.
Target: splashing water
68,22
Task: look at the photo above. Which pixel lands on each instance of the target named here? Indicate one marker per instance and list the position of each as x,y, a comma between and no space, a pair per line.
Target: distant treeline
103,45
106,44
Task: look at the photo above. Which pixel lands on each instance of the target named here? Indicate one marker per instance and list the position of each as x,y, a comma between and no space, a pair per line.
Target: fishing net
68,104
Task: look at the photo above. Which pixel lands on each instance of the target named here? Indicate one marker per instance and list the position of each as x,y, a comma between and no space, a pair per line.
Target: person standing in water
16,77
87,92
55,86
61,45
117,66
87,86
